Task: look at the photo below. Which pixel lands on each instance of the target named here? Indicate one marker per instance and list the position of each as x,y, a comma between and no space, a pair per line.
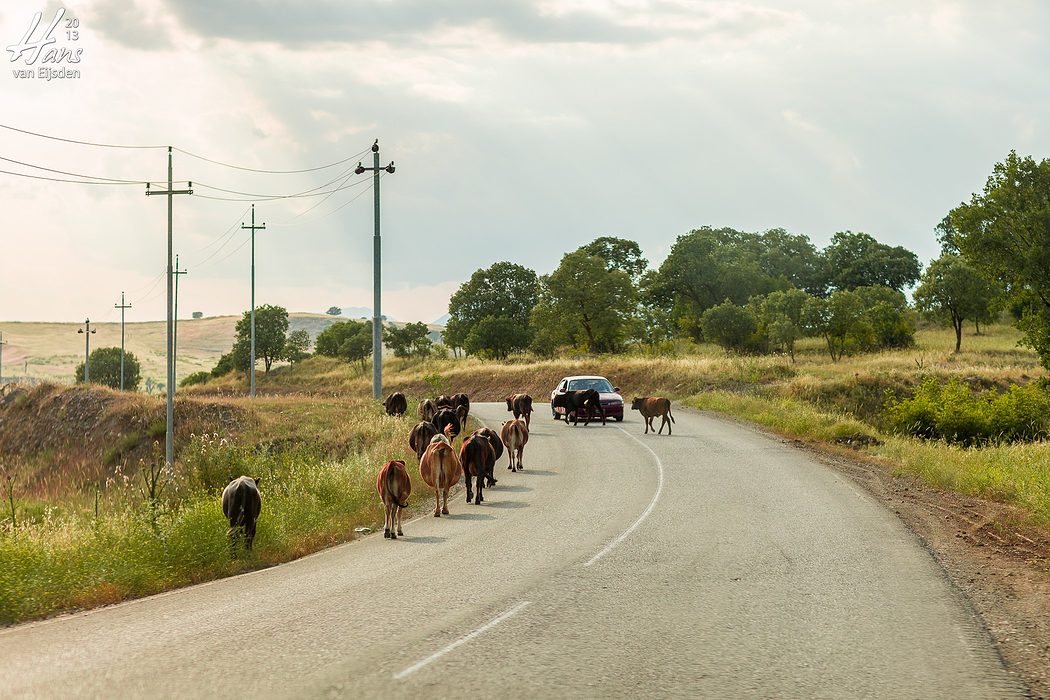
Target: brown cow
427,409
520,405
440,469
394,488
396,404
494,442
445,402
419,438
478,460
652,406
515,434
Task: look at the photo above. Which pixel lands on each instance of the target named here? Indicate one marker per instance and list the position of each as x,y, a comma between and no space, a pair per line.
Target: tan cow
515,434
441,470
394,488
652,406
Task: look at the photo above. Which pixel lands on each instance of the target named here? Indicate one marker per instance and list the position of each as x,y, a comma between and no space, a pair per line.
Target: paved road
713,563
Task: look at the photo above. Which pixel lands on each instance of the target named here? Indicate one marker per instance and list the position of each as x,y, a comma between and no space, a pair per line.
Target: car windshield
601,385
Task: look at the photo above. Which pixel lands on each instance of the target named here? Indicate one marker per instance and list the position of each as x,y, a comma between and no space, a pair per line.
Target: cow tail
391,483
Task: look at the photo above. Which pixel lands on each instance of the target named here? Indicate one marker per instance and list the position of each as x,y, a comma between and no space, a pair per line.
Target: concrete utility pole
251,368
169,439
2,344
87,330
377,316
175,333
122,306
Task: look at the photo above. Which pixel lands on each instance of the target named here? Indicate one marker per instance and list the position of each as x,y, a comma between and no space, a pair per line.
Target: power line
78,182
113,180
272,172
82,143
271,197
224,234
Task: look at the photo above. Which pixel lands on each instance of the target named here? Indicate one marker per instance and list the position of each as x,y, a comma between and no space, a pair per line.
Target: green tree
105,369
496,338
793,260
503,290
334,311
349,340
952,291
857,260
618,254
271,327
585,304
1004,234
198,314
839,319
410,340
297,345
195,378
732,327
888,317
238,358
780,313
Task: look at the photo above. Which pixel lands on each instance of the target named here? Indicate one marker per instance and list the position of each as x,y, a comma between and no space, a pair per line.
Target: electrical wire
78,182
270,198
82,143
223,234
114,180
271,172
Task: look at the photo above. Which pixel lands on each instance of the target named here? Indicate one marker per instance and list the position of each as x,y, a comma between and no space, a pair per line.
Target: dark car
611,400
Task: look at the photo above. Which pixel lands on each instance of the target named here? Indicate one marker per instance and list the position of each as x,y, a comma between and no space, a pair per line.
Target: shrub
951,412
196,378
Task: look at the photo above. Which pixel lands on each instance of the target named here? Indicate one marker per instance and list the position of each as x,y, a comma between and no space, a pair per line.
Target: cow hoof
393,536
386,534
438,515
445,511
400,534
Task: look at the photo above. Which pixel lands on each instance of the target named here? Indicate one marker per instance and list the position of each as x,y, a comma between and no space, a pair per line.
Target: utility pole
122,306
251,367
175,333
2,344
87,330
377,316
169,439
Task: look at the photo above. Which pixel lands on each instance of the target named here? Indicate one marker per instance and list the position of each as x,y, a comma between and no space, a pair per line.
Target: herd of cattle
440,466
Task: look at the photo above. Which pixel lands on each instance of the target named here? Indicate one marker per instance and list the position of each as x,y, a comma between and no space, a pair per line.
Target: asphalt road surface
714,563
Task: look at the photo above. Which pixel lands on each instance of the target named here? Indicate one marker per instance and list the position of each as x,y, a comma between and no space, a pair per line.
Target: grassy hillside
53,350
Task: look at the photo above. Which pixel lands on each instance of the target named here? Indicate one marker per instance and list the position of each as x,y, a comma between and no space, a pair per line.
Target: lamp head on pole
359,169
375,146
390,168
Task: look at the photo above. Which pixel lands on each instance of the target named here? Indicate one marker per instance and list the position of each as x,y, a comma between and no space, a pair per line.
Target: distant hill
441,320
356,312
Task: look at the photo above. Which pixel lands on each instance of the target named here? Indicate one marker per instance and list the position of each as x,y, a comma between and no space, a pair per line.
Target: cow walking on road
575,401
652,406
515,434
440,469
520,405
478,460
394,488
419,438
497,447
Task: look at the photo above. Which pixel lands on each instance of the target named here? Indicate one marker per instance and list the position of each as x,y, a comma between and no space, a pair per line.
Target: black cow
444,417
521,406
461,405
241,504
396,404
478,462
495,443
444,401
573,401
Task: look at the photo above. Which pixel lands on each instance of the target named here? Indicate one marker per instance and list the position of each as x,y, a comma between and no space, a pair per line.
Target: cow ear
256,479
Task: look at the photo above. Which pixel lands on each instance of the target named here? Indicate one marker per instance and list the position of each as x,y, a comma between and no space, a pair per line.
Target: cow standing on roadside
652,406
396,404
478,461
515,434
520,405
394,488
241,504
419,438
440,469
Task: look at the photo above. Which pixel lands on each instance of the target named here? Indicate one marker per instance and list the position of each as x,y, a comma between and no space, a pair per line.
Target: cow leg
437,502
391,514
249,536
400,514
467,478
444,508
520,450
480,497
646,419
386,519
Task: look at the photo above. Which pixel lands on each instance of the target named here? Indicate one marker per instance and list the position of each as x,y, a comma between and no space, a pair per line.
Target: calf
515,434
445,417
478,460
394,488
573,401
651,407
427,409
241,504
396,404
440,469
520,405
420,436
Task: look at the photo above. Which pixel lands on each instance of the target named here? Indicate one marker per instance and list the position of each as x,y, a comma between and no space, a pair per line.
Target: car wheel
554,415
619,419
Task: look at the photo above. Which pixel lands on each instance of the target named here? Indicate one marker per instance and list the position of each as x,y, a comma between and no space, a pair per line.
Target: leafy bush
732,327
196,378
951,412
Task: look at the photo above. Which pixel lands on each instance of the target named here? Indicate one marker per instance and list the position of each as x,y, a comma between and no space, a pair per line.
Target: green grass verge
1018,474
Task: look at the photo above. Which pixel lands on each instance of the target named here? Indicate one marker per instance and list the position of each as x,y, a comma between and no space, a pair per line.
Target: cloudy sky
520,130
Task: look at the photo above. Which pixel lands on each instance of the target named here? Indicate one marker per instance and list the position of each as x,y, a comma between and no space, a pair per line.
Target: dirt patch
999,563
